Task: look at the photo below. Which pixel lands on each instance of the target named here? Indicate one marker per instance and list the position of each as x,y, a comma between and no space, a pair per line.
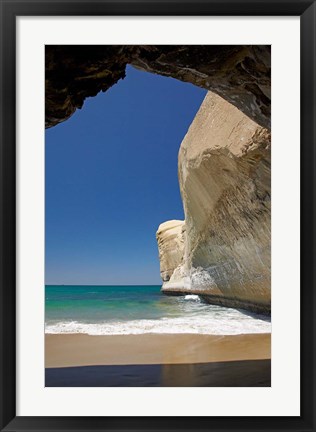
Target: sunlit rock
225,175
170,238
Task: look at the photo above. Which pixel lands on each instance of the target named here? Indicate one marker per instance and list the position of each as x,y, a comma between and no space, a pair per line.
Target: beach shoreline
66,350
158,360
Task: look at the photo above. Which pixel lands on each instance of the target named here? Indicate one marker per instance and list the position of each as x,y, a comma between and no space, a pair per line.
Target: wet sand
64,350
152,360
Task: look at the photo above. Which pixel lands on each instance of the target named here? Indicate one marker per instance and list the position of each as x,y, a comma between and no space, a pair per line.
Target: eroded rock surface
240,74
224,174
170,239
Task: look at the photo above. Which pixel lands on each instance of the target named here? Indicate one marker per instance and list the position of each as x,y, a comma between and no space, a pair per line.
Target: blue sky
111,179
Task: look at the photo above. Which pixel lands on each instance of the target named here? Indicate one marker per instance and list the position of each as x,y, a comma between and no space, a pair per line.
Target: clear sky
111,179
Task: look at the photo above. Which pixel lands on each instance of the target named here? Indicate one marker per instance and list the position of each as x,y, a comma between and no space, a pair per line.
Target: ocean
119,310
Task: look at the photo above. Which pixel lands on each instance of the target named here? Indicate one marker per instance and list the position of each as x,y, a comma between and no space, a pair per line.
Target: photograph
158,216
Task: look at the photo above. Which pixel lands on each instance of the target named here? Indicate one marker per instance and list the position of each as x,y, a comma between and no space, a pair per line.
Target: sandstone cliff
170,238
224,175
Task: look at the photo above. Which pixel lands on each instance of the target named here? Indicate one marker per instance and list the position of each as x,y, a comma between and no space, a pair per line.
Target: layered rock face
224,174
170,238
241,74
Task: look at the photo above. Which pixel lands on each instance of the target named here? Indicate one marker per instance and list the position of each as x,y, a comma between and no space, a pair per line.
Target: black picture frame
10,9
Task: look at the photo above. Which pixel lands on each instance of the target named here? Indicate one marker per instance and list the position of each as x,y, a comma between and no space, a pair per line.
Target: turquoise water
98,303
140,309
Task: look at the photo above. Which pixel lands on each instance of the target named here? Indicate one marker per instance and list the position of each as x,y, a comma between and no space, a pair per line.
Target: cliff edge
223,253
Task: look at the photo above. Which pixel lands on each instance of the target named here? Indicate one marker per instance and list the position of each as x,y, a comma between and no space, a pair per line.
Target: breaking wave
234,323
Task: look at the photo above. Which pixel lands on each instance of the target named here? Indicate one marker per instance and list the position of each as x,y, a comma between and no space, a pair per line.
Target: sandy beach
63,350
74,360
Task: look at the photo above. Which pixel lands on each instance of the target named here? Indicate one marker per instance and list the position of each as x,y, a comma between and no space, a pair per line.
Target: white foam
192,297
234,323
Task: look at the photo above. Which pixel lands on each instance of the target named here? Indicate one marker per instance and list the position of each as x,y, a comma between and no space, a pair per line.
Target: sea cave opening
111,180
224,164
